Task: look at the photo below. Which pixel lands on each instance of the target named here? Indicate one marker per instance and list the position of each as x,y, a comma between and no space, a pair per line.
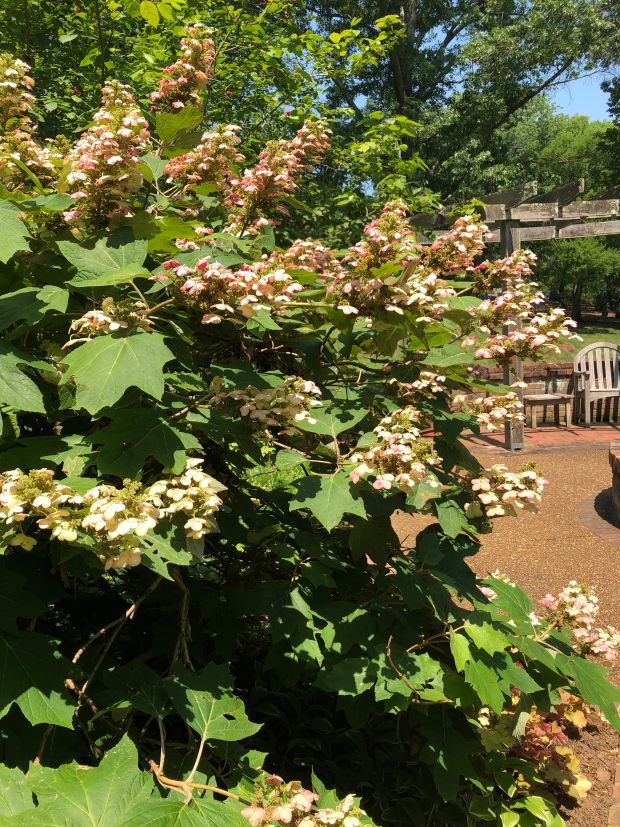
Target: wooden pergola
521,214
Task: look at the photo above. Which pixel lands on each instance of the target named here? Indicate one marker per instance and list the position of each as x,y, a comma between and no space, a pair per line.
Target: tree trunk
576,309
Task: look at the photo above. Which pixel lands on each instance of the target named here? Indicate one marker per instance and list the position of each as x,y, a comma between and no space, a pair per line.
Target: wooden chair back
602,361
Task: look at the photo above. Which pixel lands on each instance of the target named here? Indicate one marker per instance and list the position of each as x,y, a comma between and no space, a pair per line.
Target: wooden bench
596,376
555,400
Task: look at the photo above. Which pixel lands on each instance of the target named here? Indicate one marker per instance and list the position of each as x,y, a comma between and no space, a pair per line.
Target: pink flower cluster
387,238
499,492
492,412
454,252
576,606
212,161
278,803
504,272
531,334
279,407
103,164
540,334
308,255
188,75
357,284
400,458
17,144
516,302
258,192
428,385
235,295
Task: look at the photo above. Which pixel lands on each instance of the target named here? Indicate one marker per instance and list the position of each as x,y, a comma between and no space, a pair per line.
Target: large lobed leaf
105,367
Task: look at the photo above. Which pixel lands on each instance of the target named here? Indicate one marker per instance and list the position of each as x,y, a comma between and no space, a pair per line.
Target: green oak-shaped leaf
328,497
75,795
14,231
459,646
174,127
510,599
452,518
590,679
139,433
30,304
113,260
447,753
486,636
17,389
484,680
205,701
333,419
105,367
40,451
15,797
174,812
32,675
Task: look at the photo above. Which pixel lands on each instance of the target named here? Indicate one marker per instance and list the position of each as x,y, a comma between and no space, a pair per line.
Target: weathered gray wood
513,196
601,208
614,192
533,212
426,220
494,212
584,230
560,195
538,233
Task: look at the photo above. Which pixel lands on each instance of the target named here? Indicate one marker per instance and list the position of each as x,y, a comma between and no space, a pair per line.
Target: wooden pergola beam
576,230
614,192
513,196
560,195
601,208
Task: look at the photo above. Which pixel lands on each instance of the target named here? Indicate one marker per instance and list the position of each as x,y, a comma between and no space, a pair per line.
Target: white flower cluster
279,407
279,803
492,412
531,333
193,494
428,385
501,492
400,458
111,317
18,147
115,518
577,606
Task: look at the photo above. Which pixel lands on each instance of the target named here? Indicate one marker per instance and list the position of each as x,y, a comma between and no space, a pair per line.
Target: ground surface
542,552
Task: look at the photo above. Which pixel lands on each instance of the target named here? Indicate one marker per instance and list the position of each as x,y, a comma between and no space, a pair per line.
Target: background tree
581,270
465,70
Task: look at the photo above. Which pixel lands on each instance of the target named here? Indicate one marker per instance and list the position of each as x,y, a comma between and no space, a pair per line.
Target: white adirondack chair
596,375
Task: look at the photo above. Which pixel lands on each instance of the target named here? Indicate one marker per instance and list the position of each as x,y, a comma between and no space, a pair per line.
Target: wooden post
514,432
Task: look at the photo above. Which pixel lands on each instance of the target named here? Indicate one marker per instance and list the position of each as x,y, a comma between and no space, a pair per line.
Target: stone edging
596,515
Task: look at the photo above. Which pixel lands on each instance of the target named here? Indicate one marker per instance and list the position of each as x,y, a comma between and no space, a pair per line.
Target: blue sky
582,97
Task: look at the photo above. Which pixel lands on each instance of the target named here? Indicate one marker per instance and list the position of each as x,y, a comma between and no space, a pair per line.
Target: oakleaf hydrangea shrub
207,615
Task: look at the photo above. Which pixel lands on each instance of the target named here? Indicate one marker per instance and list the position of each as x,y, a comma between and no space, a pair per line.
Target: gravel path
542,552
